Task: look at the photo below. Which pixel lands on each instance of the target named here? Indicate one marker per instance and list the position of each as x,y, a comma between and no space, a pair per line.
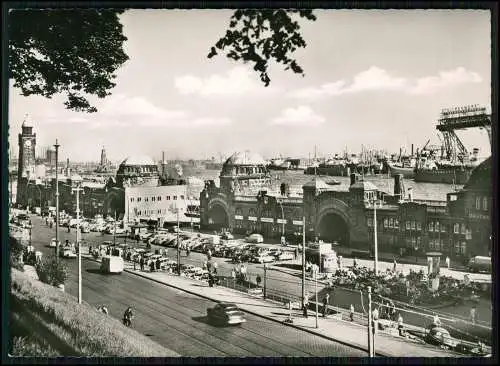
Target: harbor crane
459,118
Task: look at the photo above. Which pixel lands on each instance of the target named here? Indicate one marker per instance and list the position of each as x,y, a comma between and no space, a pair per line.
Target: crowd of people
414,288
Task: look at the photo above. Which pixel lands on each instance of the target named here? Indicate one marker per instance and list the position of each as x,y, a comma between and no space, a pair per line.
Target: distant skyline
375,78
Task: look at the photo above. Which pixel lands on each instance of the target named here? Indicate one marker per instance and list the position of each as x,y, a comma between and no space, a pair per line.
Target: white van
112,264
480,264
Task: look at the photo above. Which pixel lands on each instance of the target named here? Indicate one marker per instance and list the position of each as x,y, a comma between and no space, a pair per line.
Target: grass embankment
49,322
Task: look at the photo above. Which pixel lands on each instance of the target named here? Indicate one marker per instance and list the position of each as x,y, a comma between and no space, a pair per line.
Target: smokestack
411,149
353,178
398,185
163,163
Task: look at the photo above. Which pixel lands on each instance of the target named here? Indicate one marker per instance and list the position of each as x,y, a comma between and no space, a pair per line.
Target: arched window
431,226
478,203
485,203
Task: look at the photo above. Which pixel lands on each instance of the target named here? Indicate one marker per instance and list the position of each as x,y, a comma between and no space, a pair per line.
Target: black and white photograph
248,183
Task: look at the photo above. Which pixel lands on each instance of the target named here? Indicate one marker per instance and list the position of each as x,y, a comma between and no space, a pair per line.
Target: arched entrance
333,228
217,217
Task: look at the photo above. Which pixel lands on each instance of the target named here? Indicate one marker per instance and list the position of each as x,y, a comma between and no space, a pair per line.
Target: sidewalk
331,328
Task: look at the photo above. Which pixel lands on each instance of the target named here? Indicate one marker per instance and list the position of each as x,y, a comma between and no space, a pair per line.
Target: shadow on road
94,270
275,313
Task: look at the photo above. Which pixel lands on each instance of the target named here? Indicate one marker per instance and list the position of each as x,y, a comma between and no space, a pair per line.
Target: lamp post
315,271
282,218
114,230
77,189
178,244
57,202
371,352
303,261
265,279
375,238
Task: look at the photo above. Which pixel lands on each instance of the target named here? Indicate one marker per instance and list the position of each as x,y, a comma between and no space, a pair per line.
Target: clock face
27,143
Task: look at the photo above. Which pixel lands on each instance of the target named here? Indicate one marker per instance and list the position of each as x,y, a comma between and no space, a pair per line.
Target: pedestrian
325,306
400,325
447,262
296,253
258,280
351,312
158,264
215,267
473,314
141,263
394,265
436,322
152,266
306,306
233,274
187,252
355,262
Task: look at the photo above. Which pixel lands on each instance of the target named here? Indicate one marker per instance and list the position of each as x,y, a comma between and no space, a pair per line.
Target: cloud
122,105
237,81
379,79
323,90
300,116
375,79
450,78
210,121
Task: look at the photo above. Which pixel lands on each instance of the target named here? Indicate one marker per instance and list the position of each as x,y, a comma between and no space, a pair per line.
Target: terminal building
245,203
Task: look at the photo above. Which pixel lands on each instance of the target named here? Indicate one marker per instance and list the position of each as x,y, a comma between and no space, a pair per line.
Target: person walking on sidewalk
258,279
401,325
325,306
351,312
141,263
296,253
473,314
448,262
306,306
394,265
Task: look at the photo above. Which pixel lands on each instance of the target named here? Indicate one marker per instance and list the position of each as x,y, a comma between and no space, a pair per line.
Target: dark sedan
226,313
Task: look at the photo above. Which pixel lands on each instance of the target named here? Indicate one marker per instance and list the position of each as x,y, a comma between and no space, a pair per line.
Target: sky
373,78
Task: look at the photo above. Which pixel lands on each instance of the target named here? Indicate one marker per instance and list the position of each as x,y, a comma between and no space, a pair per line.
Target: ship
405,166
279,164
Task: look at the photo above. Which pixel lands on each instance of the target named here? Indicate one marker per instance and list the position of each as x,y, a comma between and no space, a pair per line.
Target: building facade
459,227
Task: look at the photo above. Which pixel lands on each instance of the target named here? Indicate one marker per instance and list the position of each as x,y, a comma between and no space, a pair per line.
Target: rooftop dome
481,177
138,160
245,158
366,186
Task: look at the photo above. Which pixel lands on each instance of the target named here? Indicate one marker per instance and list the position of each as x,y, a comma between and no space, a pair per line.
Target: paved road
279,282
178,320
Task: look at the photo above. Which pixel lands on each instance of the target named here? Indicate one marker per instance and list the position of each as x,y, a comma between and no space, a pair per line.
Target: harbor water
297,178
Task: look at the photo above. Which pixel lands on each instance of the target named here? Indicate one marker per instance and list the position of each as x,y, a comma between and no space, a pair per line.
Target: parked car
254,238
174,229
53,243
263,259
284,256
67,253
440,337
227,236
226,313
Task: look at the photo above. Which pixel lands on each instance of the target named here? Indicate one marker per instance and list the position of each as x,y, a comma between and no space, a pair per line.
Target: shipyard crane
460,118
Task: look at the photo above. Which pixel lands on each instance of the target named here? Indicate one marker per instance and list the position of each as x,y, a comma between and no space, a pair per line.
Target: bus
112,264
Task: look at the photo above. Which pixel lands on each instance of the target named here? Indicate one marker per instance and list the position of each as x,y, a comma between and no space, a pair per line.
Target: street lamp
315,271
77,189
373,202
178,244
57,202
282,218
303,261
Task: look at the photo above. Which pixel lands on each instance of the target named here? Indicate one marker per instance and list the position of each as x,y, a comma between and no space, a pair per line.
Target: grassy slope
78,327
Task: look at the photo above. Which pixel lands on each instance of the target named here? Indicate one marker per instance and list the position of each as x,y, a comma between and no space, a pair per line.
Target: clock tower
26,161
